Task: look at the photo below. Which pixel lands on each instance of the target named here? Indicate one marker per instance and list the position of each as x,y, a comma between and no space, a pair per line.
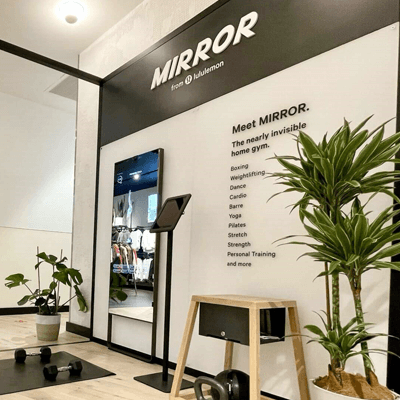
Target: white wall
18,250
140,29
37,145
200,242
37,160
200,239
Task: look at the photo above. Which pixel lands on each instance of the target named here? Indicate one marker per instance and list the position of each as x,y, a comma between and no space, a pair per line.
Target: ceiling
35,25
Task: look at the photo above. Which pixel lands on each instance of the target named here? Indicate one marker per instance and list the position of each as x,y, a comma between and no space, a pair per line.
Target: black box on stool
232,323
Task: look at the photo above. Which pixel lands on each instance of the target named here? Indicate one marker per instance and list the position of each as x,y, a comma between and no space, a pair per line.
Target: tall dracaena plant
333,173
352,246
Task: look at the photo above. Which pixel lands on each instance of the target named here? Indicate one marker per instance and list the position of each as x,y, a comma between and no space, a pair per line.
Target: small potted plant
48,300
330,175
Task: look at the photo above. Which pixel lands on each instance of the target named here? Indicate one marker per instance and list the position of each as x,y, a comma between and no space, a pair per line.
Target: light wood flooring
19,331
120,386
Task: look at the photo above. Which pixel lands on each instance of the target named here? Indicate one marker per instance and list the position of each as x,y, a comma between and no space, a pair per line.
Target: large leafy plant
48,299
330,175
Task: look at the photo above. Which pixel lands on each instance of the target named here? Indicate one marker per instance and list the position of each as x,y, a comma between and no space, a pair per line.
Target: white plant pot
48,327
318,393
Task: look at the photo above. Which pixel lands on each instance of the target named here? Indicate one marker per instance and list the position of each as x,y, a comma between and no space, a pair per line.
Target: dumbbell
51,371
20,355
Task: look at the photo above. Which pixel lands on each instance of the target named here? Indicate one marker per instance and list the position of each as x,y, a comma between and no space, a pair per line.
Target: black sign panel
273,35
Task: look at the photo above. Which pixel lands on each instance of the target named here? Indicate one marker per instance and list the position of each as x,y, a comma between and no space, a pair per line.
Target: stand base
156,382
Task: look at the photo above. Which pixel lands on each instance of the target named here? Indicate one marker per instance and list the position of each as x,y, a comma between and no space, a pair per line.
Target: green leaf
38,265
43,256
15,278
344,240
362,124
387,252
75,275
314,329
24,300
361,230
121,295
382,264
81,300
355,184
40,301
328,170
368,150
310,148
62,277
291,167
349,151
61,267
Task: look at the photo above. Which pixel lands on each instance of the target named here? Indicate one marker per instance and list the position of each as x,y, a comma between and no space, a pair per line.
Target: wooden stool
254,305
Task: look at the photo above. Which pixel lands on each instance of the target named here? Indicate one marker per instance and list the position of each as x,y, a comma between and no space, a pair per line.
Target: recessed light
136,175
71,11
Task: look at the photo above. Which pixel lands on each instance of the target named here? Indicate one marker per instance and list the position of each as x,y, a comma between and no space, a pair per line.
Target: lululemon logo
189,79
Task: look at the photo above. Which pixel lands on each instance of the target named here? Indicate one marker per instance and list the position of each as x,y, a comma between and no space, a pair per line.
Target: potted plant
330,175
48,300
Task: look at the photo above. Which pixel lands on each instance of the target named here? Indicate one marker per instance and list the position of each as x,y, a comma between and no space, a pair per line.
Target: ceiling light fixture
136,175
71,11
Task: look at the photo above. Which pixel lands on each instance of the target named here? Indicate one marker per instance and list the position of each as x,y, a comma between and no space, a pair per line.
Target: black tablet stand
166,221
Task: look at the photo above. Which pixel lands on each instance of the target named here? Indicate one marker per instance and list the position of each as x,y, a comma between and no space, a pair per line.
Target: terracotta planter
48,327
318,393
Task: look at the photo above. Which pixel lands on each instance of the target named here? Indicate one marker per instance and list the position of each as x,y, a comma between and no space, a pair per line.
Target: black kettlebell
222,393
231,384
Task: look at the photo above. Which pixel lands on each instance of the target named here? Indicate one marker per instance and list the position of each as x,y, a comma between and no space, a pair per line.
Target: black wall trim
393,362
25,310
48,62
283,37
78,329
189,371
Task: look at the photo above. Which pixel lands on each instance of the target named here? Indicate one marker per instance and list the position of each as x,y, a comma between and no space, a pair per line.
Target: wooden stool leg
254,356
298,353
228,355
184,350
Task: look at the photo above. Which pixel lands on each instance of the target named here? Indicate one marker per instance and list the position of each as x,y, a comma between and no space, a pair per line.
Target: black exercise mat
15,377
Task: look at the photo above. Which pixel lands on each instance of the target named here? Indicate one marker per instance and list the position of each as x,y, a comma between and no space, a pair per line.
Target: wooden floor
20,331
120,386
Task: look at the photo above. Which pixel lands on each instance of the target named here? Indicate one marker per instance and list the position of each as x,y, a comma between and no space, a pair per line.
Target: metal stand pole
167,312
163,381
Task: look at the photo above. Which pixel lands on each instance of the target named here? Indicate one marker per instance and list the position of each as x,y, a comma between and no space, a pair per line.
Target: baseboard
99,341
273,396
189,371
78,329
25,310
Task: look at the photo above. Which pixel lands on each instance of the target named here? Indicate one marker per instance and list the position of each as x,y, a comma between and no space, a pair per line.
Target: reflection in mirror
133,248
